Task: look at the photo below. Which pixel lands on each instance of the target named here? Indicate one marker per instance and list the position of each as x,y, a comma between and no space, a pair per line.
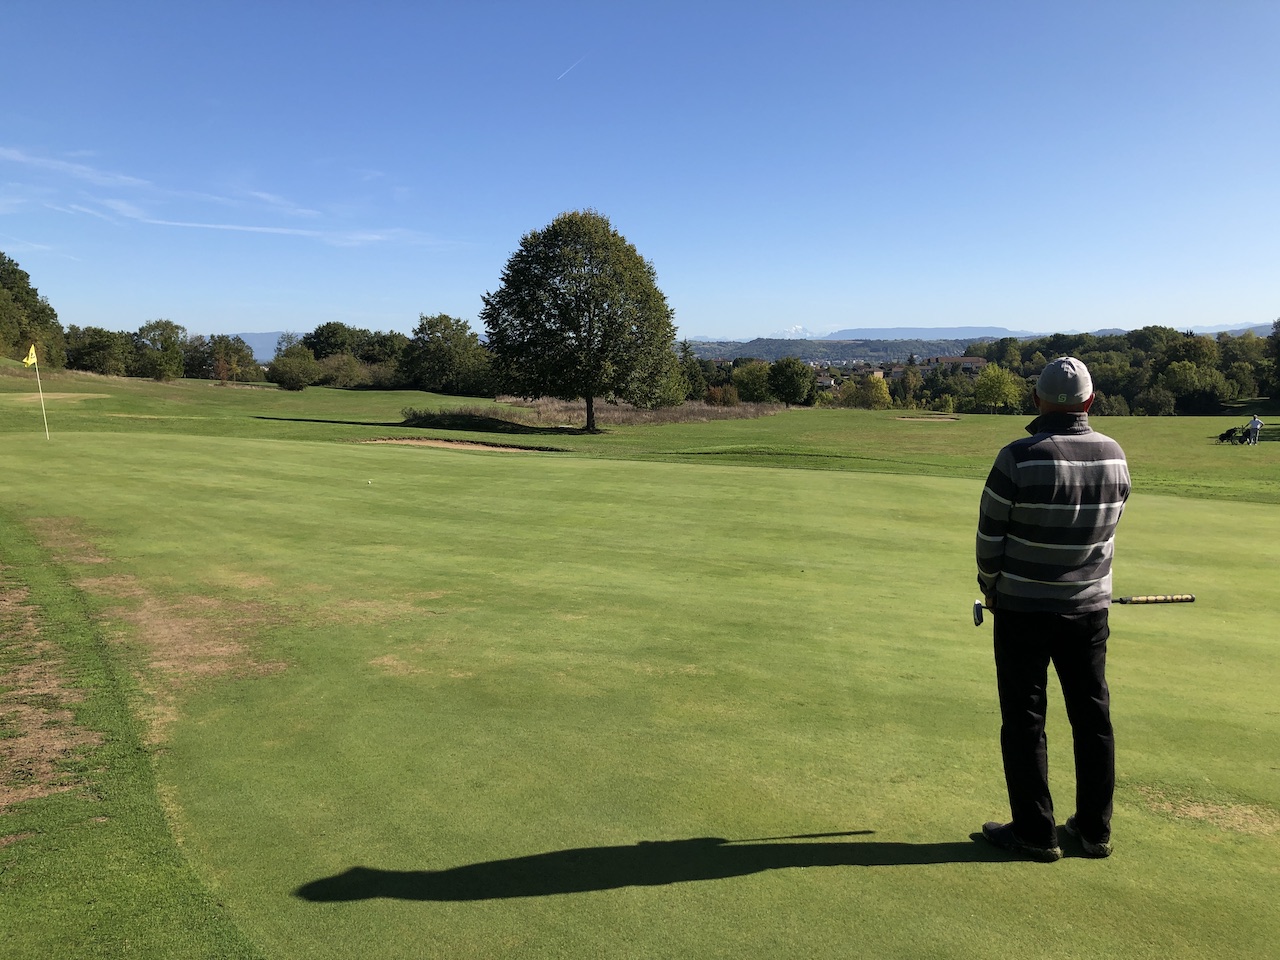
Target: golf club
1152,598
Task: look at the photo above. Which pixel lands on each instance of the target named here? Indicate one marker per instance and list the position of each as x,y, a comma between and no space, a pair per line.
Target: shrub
726,396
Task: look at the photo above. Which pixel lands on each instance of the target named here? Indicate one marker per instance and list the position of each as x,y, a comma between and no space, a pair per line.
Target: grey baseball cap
1065,381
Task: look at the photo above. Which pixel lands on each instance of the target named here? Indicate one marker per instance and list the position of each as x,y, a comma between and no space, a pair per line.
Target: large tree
231,358
997,388
332,338
158,350
579,315
445,356
792,381
751,379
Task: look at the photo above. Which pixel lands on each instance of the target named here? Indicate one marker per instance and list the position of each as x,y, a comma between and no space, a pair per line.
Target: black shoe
1001,835
1091,849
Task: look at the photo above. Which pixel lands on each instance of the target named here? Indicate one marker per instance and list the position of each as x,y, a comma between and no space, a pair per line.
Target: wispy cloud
19,245
139,200
125,209
339,238
79,208
79,171
282,204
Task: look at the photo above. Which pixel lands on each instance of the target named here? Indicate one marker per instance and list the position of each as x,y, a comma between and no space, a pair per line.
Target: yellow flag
31,356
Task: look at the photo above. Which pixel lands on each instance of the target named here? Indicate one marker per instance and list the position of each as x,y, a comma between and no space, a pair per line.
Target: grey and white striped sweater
1048,518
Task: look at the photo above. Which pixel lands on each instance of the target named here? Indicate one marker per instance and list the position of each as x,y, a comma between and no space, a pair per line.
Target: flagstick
42,413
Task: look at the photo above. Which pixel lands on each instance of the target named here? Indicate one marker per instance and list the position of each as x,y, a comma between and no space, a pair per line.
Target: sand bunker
456,445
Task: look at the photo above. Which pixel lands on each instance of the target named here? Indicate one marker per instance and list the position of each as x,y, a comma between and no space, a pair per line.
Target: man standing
1045,538
1251,430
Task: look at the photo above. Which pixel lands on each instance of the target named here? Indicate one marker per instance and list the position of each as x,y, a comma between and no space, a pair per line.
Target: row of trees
1156,371
578,315
160,350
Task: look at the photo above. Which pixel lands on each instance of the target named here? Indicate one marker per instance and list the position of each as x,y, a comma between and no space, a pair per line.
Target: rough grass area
565,415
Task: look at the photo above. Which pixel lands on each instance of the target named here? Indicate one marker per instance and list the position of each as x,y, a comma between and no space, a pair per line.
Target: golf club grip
1160,598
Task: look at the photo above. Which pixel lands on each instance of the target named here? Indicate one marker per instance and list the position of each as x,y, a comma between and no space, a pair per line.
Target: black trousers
1025,644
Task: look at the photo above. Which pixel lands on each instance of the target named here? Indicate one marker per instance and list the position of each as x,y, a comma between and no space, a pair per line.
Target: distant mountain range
263,345
970,334
928,333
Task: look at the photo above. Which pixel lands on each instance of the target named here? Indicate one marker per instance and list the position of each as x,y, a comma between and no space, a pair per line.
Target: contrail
580,59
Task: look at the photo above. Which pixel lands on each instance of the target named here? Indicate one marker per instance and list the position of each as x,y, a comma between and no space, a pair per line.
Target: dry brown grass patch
1247,818
38,733
184,641
395,666
63,537
35,397
457,445
371,611
365,611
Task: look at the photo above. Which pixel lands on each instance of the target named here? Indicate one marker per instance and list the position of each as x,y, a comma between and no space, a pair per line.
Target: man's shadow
647,863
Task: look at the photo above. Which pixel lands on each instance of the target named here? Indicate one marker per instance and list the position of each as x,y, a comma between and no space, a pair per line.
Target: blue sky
1044,166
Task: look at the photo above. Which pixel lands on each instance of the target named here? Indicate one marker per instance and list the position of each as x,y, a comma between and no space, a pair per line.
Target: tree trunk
591,414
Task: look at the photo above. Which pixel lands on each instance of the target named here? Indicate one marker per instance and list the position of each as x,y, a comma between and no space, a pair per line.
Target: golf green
411,701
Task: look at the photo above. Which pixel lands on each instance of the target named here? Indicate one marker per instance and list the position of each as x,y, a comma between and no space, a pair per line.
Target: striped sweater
1048,517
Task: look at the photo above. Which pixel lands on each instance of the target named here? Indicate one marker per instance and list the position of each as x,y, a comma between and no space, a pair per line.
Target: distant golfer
1045,536
1251,430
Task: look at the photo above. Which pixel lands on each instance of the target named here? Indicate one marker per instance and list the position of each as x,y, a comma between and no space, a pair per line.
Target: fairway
700,690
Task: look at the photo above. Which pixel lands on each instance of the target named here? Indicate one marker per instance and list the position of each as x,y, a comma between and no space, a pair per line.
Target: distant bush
343,370
726,396
295,368
384,375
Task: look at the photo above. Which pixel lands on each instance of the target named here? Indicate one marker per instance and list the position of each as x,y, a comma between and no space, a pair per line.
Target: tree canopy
578,314
792,381
445,356
996,388
159,350
26,318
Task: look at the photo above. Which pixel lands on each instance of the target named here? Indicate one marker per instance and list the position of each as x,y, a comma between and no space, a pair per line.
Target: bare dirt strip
38,733
457,445
35,397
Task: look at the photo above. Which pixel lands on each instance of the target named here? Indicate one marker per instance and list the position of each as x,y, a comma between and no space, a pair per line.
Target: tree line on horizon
578,315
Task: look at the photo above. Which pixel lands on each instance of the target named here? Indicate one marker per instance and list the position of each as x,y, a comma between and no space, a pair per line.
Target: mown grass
522,692
94,871
1179,455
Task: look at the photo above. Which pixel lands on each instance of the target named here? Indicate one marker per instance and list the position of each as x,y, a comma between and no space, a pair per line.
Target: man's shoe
1091,849
1001,835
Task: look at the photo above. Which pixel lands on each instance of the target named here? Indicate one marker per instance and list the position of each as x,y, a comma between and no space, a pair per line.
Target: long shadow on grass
457,421
649,863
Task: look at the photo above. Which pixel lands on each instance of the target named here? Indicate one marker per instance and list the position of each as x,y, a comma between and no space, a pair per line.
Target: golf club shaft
978,606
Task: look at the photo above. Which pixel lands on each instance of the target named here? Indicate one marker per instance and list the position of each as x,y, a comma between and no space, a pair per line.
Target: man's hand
990,600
